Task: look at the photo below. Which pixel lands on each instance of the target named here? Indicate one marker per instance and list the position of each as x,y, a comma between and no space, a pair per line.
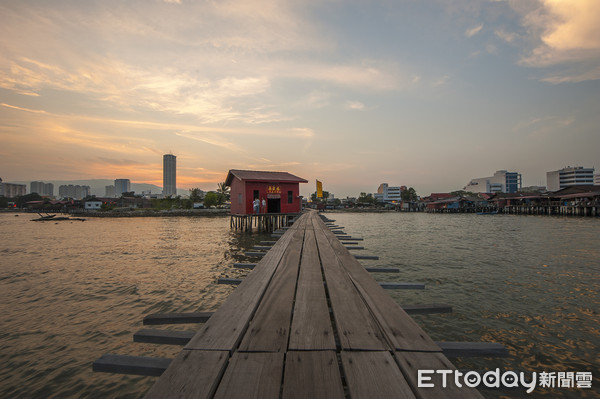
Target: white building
44,189
122,186
11,190
502,182
93,205
75,192
597,179
169,175
569,176
386,193
110,191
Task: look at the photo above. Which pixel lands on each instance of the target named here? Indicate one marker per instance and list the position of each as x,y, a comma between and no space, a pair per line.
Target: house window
240,201
255,194
290,197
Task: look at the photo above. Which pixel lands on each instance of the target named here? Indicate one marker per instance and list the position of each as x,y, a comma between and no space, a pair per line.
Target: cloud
566,36
355,105
473,31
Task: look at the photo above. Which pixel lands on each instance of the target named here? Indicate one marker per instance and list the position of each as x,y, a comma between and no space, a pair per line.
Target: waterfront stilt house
279,190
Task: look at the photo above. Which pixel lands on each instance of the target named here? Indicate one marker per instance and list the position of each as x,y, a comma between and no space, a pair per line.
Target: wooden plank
167,337
400,329
231,281
312,375
254,254
224,330
473,349
261,247
269,329
136,365
355,325
192,374
427,308
401,286
252,375
268,242
354,247
311,323
176,318
382,269
411,362
367,257
374,375
244,265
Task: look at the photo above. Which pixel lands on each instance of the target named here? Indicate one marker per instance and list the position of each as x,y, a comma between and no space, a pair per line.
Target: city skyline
427,95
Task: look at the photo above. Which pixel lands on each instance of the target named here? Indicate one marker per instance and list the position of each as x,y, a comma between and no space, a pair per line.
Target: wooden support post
402,286
137,365
244,265
176,318
231,281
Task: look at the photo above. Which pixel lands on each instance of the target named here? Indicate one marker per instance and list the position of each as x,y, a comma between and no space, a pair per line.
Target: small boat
48,217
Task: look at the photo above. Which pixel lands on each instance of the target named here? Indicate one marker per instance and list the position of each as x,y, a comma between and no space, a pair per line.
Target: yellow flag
319,189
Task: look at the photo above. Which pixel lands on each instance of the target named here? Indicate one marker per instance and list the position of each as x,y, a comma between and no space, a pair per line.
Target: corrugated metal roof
255,175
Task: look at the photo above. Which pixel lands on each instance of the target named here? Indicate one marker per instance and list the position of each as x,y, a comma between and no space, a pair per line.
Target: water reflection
74,291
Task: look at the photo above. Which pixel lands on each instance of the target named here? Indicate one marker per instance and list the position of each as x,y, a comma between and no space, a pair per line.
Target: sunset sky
428,94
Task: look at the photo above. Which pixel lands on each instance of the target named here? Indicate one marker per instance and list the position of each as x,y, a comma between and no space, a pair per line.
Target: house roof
263,176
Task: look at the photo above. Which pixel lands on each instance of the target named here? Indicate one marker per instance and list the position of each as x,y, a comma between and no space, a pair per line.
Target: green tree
365,198
196,195
409,195
223,193
211,199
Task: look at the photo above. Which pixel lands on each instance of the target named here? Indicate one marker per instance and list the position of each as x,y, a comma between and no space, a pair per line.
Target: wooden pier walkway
308,322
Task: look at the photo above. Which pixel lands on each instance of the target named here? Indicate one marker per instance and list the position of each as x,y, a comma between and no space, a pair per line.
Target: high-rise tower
169,175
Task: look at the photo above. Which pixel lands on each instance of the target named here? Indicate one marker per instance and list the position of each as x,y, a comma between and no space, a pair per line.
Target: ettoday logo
508,379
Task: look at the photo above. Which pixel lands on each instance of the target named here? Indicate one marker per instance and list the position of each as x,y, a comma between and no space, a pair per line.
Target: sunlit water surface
73,291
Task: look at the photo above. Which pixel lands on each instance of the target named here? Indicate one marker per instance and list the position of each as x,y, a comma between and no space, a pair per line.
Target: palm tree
223,191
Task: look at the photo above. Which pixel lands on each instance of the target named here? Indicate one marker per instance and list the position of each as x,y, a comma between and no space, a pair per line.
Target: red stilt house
279,190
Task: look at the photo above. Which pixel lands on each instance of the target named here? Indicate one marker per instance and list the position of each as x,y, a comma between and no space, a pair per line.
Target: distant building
502,182
386,193
279,190
76,192
569,176
11,190
169,175
110,191
43,189
122,186
597,179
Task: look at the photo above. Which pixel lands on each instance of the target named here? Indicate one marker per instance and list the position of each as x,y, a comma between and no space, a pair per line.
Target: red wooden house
279,190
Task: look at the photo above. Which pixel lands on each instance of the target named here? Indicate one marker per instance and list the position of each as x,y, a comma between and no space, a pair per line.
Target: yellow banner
319,189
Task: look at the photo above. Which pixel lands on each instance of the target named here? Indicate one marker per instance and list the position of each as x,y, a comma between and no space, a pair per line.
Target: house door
274,205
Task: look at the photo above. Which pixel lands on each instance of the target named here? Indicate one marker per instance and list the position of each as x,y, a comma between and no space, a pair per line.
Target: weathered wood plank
311,323
176,318
244,265
427,308
312,375
254,254
411,362
261,247
231,281
224,330
473,349
269,328
166,337
355,325
354,247
136,365
367,257
252,375
382,269
192,374
374,375
401,286
400,329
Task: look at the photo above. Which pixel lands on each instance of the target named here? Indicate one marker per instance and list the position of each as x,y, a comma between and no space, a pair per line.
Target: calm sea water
72,291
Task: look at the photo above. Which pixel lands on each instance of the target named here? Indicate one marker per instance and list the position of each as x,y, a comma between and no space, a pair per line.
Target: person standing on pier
256,205
264,205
